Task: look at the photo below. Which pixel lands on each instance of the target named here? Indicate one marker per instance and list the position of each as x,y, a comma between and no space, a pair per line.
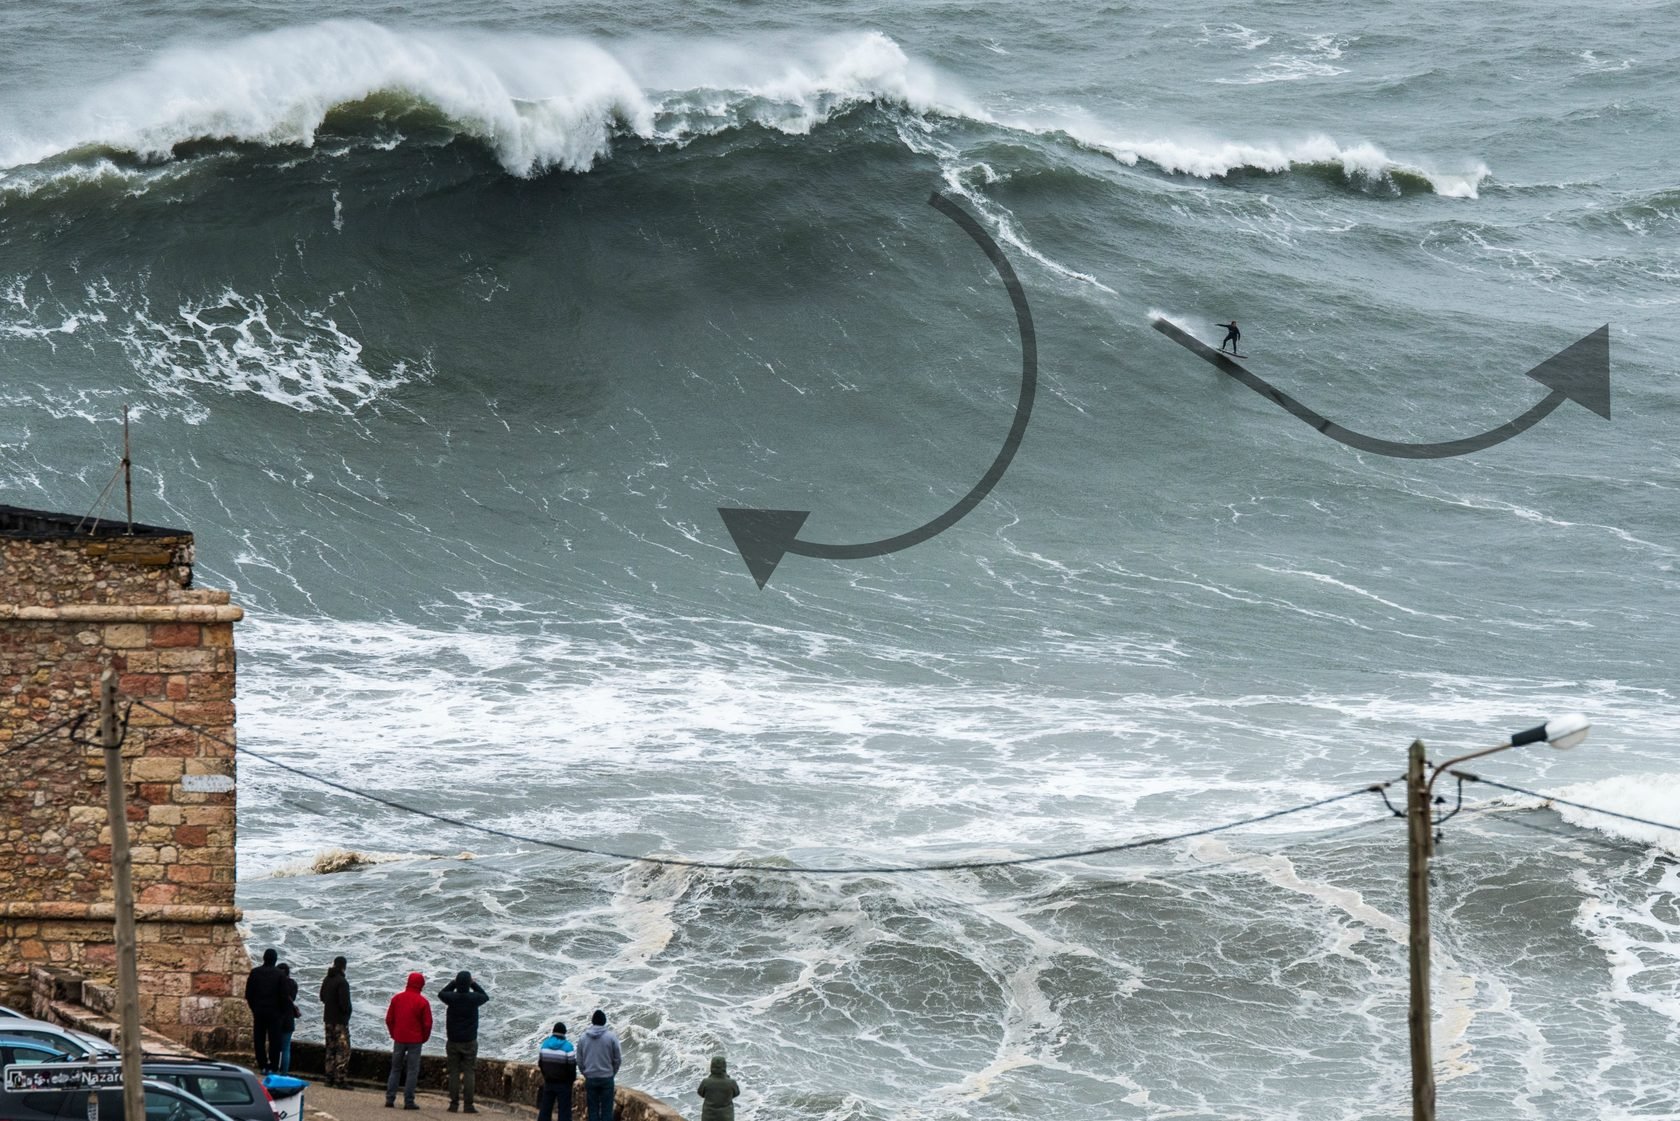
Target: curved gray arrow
765,536
1580,372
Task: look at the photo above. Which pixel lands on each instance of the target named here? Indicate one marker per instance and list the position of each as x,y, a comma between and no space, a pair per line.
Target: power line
732,866
39,736
1565,801
51,761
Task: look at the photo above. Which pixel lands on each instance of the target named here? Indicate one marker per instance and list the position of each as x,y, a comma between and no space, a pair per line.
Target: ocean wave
544,104
538,103
1362,163
1653,797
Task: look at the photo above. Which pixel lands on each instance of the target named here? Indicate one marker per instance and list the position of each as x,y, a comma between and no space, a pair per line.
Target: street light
1563,733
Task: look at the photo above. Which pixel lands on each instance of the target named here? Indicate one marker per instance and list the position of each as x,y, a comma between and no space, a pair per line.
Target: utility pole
1420,822
128,975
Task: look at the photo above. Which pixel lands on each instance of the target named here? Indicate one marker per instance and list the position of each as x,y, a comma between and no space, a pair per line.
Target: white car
76,1044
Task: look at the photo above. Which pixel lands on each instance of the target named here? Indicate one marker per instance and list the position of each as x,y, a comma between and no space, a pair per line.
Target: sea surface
448,328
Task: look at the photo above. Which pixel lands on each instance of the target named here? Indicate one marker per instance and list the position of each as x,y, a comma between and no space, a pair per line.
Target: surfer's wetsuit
1231,335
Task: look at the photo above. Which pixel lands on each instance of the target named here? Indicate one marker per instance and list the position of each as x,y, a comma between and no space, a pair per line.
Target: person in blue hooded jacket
557,1059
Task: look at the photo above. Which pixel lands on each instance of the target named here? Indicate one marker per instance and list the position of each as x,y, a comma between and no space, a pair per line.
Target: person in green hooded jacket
718,1091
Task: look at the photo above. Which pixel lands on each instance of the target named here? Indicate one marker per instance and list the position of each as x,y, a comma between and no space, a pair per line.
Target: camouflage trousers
338,1053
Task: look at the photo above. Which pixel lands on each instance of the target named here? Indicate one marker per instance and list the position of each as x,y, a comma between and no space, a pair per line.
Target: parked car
164,1102
76,1044
232,1090
29,1107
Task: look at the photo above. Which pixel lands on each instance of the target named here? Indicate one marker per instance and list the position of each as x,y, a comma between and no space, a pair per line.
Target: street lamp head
1563,733
1567,731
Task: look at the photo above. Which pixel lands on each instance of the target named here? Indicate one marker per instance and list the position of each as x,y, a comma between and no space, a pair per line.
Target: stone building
72,603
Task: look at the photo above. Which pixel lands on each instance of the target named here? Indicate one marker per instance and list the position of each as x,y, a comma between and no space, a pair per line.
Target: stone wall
71,605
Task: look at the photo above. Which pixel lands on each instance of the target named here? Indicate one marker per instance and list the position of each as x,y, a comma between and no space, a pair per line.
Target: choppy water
448,330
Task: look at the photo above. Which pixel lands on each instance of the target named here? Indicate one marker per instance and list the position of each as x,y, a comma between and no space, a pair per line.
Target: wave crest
539,104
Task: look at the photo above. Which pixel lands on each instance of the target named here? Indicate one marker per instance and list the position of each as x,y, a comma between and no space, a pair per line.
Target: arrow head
1581,372
762,536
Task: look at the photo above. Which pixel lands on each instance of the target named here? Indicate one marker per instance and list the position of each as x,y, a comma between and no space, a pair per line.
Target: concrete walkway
368,1104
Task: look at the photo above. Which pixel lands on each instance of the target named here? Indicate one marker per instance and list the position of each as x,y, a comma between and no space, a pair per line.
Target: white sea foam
249,344
542,103
1211,158
539,103
1653,797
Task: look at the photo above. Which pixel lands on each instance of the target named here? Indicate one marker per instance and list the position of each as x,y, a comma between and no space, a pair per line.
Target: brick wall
72,605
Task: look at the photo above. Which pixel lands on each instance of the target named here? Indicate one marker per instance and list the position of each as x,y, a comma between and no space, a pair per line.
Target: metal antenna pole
128,475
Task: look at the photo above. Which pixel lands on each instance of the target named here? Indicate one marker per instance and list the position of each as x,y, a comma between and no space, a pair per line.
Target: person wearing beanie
557,1059
409,1020
264,993
463,996
598,1059
718,1092
335,1019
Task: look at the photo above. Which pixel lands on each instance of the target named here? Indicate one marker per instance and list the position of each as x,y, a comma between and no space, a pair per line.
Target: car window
223,1089
168,1107
70,1046
21,1056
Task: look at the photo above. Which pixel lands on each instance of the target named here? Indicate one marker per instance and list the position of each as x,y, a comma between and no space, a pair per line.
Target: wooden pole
128,976
1420,824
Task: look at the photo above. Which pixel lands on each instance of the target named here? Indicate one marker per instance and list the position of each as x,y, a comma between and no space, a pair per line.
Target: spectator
409,1020
463,997
718,1091
557,1059
598,1059
335,1018
288,1016
263,992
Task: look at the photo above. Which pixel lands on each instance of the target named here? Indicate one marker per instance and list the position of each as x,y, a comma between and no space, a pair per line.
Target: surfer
1231,335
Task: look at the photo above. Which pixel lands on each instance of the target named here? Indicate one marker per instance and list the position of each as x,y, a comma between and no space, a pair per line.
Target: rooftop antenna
124,469
128,475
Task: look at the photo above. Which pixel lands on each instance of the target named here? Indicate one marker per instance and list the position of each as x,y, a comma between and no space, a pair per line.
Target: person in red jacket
409,1020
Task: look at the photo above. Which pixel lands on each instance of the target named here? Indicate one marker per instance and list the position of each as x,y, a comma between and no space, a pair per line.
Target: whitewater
448,332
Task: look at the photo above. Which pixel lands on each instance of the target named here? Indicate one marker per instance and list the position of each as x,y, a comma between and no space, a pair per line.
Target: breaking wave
545,104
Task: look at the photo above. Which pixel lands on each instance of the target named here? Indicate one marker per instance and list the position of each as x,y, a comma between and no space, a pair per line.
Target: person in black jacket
463,998
264,995
335,1018
1232,335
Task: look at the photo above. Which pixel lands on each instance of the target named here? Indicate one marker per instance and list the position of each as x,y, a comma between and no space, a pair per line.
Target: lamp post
1562,733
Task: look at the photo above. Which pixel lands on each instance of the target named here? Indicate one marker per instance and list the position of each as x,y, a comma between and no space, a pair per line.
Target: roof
44,525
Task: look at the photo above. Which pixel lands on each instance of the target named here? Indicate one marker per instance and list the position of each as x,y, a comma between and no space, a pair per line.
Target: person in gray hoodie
598,1060
718,1091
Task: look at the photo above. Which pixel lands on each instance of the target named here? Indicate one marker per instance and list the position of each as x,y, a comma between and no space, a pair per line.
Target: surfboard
1228,354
